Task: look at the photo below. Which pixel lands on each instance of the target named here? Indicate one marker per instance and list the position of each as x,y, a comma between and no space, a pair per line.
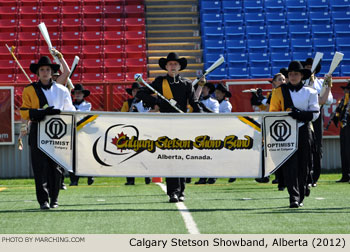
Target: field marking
2,188
185,213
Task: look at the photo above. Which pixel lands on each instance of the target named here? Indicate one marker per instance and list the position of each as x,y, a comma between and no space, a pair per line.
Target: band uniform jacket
225,106
304,99
210,103
82,106
134,102
57,96
181,90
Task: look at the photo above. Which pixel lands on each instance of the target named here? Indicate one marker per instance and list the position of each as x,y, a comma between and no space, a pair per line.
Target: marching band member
80,104
326,98
221,93
303,102
41,98
209,105
342,116
172,86
134,105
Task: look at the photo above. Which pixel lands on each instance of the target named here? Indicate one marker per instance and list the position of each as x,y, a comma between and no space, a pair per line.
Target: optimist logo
55,128
280,130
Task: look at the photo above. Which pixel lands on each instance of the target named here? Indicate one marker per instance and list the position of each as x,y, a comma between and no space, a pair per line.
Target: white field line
185,213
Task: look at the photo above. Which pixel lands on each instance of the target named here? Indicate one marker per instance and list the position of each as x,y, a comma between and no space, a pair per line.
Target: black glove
52,111
39,114
303,116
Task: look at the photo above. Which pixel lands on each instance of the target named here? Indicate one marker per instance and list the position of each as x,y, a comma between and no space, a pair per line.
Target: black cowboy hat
223,89
43,61
284,71
172,57
347,86
309,61
79,87
296,66
134,85
208,85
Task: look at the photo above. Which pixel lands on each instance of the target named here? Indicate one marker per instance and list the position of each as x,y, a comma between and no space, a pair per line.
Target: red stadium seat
92,24
7,64
51,11
114,24
134,10
71,11
92,11
76,77
52,24
28,38
27,52
135,24
71,24
113,11
113,35
70,51
114,55
8,12
113,48
29,12
8,25
71,38
7,78
25,63
28,25
92,51
8,38
21,78
114,69
92,65
135,34
112,77
135,48
92,77
92,38
135,62
114,62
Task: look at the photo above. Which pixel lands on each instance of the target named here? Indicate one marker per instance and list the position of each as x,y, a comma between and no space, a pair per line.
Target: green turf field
109,207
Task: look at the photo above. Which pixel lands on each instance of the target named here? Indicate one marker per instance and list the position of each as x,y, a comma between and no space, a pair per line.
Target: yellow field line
2,188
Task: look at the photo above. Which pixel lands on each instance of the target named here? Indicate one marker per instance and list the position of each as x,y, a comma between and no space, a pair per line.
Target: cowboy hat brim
182,61
34,67
129,91
85,92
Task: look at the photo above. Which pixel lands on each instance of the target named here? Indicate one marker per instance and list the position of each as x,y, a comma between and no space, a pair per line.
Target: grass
109,207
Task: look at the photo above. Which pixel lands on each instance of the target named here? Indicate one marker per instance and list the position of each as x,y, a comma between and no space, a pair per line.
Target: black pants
317,149
344,151
175,186
47,173
296,169
74,178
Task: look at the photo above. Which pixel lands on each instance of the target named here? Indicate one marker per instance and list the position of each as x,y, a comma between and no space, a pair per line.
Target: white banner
171,145
281,134
55,138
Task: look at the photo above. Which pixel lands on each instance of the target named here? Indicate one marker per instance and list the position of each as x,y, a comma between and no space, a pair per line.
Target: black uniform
183,93
344,119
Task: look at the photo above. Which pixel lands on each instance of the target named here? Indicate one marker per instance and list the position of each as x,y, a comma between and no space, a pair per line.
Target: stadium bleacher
261,36
96,31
